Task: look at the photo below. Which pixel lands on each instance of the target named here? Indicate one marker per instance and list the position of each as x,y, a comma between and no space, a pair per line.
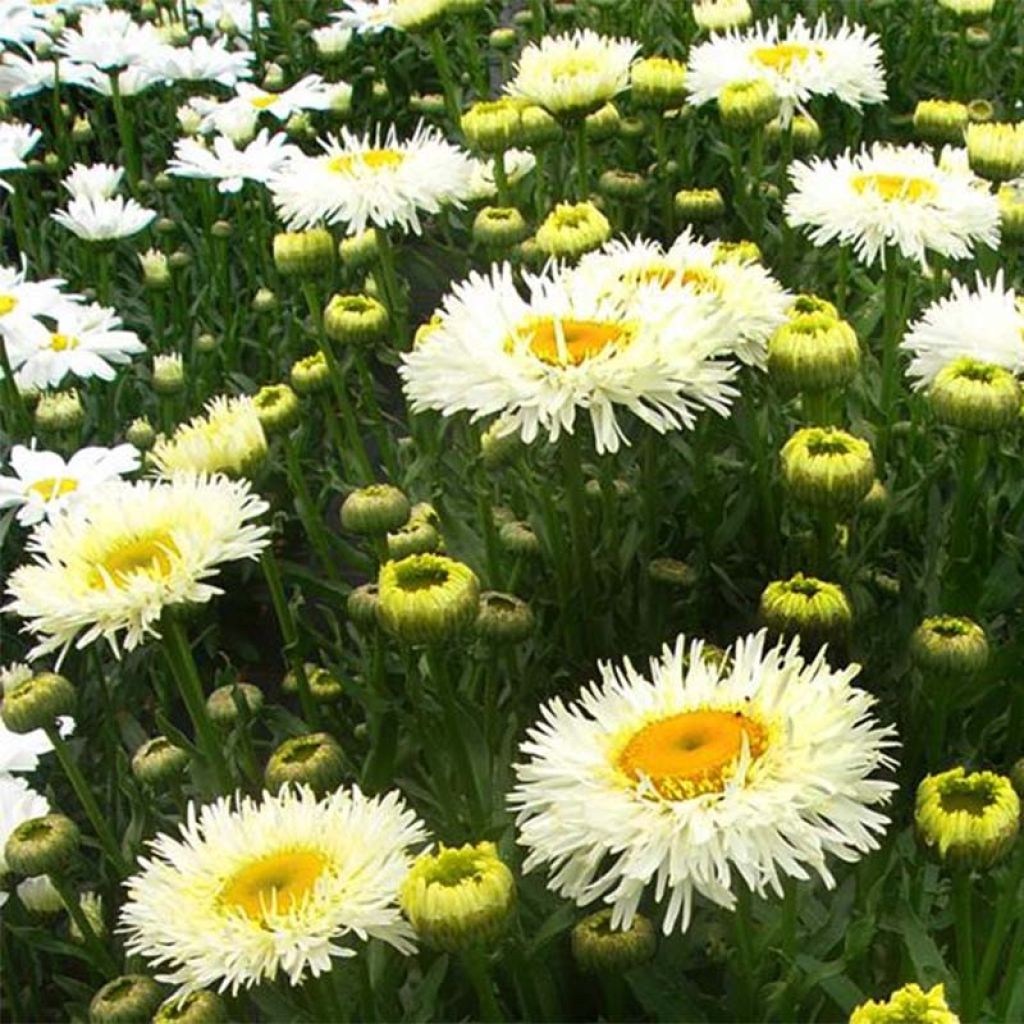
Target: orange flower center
571,342
276,882
896,187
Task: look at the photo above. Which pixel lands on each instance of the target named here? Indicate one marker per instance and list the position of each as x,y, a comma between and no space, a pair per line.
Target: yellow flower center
371,159
150,555
575,64
61,342
275,883
263,102
691,753
7,303
896,187
700,279
571,342
783,56
53,487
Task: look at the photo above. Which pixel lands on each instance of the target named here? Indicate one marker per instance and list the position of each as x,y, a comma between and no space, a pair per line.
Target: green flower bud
42,846
59,410
81,129
358,250
427,598
277,407
458,897
503,39
877,499
632,127
414,538
323,686
817,611
969,10
362,605
492,126
1011,211
745,106
304,254
310,375
264,301
375,510
130,999
813,353
622,185
721,15
37,703
996,151
503,618
975,396
356,320
804,133
499,227
156,273
158,761
907,1005
572,229
140,433
497,450
165,226
941,120
315,760
828,468
203,1007
518,539
658,83
699,205
206,342
300,126
603,123
672,573
537,128
222,229
168,374
968,820
949,645
223,704
599,950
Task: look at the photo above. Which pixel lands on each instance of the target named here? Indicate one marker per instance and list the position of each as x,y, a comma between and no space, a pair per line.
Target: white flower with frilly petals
93,181
230,165
103,220
201,61
17,140
109,40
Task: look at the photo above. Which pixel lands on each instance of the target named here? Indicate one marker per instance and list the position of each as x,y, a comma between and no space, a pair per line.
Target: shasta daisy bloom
111,564
310,93
24,74
23,302
893,196
573,74
44,484
363,180
798,63
109,40
103,220
201,61
17,140
20,751
760,765
231,17
570,347
93,181
371,16
85,341
257,889
22,23
747,294
231,165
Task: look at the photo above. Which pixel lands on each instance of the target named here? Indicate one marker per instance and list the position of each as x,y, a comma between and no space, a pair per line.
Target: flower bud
496,449
128,999
492,126
458,897
58,411
362,605
159,762
941,121
168,374
355,320
331,41
597,949
745,106
223,704
907,1005
324,687
81,129
622,185
877,499
375,510
273,77
699,205
206,342
996,151
39,896
813,353
671,572
156,274
416,537
277,407
310,375
223,229
315,760
91,905
827,468
969,10
949,645
140,433
742,251
42,846
503,39
202,1007
518,539
304,254
37,703
264,301
503,618
804,133
603,123
358,250
817,611
975,396
427,598
572,229
969,820
720,15
1011,211
658,83
499,227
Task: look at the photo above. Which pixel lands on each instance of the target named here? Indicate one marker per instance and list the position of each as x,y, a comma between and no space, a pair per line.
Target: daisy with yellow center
570,347
111,564
45,484
373,180
759,764
894,196
280,886
798,63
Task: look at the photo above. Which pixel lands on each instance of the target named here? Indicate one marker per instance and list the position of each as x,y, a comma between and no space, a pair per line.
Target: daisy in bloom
746,292
893,195
230,165
25,75
109,40
44,485
18,803
280,886
311,93
797,63
985,323
93,181
85,341
20,752
363,180
571,346
103,220
572,75
23,302
202,115
201,61
131,80
112,563
370,16
518,164
17,140
22,23
232,17
759,765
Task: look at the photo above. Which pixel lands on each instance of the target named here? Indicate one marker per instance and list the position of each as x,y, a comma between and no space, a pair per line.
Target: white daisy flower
21,23
112,563
254,890
753,301
85,341
362,180
898,196
227,164
20,752
570,347
23,302
18,803
573,74
101,220
518,164
309,93
231,17
985,323
24,74
108,39
131,81
237,120
366,17
331,40
17,140
44,485
93,181
679,782
798,63
202,61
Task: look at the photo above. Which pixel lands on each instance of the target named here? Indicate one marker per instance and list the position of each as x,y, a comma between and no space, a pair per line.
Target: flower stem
444,71
99,953
474,960
964,925
582,168
125,131
1001,926
572,465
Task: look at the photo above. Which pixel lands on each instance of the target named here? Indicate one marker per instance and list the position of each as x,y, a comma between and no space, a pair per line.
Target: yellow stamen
150,555
7,303
571,342
53,487
277,882
691,753
896,187
575,64
372,159
263,102
61,342
783,56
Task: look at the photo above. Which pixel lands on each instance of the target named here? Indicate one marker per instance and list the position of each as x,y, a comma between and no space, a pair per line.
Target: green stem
501,179
1005,911
179,655
13,403
575,492
99,953
125,131
582,166
815,406
392,288
444,71
971,466
474,960
85,797
964,924
668,208
744,981
892,333
314,525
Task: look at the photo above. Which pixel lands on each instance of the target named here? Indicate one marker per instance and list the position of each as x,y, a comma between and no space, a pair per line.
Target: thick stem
963,917
744,981
1005,911
474,960
582,166
582,552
